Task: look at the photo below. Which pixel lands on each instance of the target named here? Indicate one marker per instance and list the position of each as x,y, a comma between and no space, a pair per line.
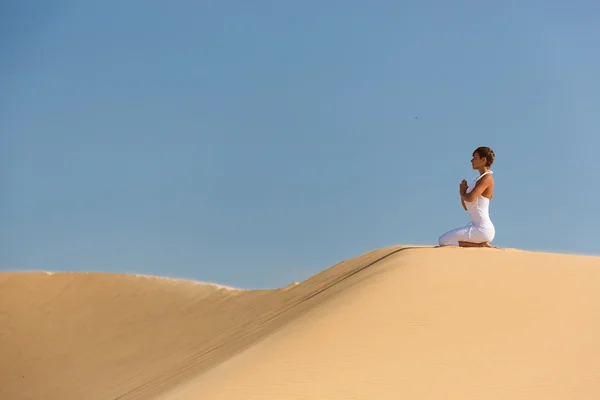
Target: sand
397,322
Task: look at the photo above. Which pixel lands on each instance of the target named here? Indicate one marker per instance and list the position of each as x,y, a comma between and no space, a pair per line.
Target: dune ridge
397,321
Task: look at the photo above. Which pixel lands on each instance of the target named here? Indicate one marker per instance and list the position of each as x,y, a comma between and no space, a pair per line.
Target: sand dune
418,323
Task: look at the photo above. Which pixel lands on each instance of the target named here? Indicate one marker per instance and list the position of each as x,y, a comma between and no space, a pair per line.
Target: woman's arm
480,186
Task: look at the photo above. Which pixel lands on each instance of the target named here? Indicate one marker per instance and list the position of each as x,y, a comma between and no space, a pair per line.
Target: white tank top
478,209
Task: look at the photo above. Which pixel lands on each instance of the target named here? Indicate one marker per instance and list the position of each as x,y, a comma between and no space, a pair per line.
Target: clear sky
256,143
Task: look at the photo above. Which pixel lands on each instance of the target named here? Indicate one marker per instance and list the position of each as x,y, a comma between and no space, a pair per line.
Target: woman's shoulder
487,179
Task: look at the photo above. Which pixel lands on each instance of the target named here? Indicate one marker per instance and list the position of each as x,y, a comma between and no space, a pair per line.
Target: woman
475,199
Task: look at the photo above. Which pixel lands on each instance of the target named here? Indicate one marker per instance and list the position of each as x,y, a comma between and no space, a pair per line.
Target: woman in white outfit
475,199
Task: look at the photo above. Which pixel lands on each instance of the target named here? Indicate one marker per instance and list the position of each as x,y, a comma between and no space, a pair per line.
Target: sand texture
394,323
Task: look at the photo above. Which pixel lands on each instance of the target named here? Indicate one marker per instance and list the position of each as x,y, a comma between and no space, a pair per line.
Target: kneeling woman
475,199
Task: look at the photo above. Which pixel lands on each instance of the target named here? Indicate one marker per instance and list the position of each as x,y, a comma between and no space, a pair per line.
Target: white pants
470,233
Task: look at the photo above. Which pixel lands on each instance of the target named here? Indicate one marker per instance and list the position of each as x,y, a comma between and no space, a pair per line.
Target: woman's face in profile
476,161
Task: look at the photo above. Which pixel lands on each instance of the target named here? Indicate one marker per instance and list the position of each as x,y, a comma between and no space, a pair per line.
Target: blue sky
257,143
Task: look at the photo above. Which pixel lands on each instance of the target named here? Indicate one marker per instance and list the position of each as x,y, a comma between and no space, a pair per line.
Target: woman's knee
453,237
444,240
